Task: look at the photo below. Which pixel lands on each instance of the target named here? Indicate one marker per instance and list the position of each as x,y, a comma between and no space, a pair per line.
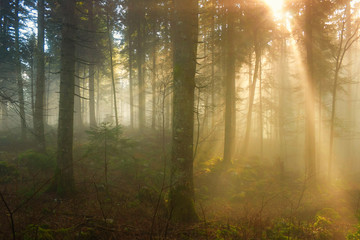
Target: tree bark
19,79
310,164
92,66
344,46
131,79
230,103
64,172
153,86
78,123
140,59
184,33
40,80
112,70
252,88
212,49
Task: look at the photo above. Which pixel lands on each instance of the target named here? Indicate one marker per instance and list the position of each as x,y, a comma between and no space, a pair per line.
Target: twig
10,215
205,223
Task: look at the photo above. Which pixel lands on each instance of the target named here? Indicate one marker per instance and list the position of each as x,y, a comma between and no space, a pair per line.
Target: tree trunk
252,88
344,46
282,105
98,95
153,85
140,59
19,79
78,123
131,83
185,32
350,92
47,95
92,66
261,123
64,174
32,78
230,103
310,164
112,70
40,80
212,49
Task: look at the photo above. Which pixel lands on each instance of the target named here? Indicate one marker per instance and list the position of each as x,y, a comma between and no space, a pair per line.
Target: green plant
106,143
323,228
354,235
228,232
35,161
7,172
38,232
43,232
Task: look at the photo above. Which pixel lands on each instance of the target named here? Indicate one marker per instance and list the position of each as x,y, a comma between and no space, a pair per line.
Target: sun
276,6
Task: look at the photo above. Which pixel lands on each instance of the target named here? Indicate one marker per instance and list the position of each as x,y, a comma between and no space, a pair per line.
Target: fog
182,119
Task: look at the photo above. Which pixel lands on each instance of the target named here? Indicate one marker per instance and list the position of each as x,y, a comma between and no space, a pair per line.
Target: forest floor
248,200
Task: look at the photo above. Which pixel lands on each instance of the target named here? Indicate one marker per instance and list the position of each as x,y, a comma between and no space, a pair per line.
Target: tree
310,164
344,45
184,37
112,67
140,58
40,79
129,23
19,79
64,171
230,102
91,28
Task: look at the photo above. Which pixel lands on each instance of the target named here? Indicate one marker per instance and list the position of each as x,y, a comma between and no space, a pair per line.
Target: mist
181,119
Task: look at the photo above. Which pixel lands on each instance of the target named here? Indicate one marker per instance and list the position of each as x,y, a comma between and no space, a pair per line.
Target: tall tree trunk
40,80
230,113
252,88
140,59
350,114
112,70
261,122
153,85
78,123
4,115
184,33
98,95
19,79
344,46
310,164
47,95
332,120
282,106
131,84
32,78
212,49
92,66
64,172
130,21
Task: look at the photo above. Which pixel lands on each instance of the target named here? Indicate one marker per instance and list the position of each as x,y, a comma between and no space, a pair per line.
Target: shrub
35,161
7,172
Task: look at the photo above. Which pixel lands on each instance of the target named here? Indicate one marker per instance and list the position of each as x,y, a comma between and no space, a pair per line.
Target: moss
182,207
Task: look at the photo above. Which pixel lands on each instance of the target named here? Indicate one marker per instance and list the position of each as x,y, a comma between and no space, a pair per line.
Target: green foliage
107,141
354,235
106,146
7,172
38,232
43,232
282,230
35,161
321,229
228,233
